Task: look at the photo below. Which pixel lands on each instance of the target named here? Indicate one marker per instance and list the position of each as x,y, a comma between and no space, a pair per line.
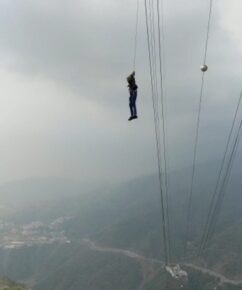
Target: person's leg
131,103
134,103
131,106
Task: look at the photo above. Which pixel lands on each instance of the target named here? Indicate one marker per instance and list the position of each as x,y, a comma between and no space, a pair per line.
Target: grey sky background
64,99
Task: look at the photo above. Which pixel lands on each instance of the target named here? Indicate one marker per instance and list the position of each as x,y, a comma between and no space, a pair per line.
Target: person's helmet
204,67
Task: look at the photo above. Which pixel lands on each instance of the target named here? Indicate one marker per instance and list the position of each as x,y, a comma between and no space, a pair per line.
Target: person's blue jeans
132,102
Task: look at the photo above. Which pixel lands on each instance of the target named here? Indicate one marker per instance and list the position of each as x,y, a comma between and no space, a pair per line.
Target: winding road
150,266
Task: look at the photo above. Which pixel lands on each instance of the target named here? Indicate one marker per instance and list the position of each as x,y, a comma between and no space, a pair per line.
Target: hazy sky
64,99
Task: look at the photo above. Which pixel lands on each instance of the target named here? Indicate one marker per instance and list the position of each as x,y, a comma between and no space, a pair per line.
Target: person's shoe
130,118
135,117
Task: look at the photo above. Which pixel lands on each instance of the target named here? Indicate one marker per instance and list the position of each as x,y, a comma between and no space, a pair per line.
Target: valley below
111,240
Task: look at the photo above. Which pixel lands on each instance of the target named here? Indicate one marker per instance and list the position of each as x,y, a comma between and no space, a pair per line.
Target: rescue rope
136,35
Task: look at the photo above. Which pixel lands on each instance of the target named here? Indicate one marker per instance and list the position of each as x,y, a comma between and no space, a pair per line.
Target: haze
64,100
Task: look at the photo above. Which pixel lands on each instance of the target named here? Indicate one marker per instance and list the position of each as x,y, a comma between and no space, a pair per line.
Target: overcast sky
64,99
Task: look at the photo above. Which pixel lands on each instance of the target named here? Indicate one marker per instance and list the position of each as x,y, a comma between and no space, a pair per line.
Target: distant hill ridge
126,216
6,284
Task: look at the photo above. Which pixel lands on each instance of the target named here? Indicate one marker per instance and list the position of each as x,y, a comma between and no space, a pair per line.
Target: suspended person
133,96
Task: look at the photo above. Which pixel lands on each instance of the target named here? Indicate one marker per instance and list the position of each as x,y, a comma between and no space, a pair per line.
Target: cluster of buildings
14,236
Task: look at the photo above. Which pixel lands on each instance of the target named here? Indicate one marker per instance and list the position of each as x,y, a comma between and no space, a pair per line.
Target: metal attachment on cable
176,272
203,67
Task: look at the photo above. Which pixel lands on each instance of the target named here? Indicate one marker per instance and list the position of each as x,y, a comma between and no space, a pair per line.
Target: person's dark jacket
131,83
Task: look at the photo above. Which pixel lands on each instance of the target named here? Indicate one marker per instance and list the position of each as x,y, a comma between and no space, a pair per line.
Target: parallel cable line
161,36
164,230
153,65
153,50
155,47
152,44
188,221
215,193
222,191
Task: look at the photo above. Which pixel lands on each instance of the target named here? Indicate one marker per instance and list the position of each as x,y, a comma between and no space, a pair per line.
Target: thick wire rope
208,30
157,144
154,79
188,222
152,44
161,65
154,60
136,35
222,191
153,51
226,180
215,193
162,91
